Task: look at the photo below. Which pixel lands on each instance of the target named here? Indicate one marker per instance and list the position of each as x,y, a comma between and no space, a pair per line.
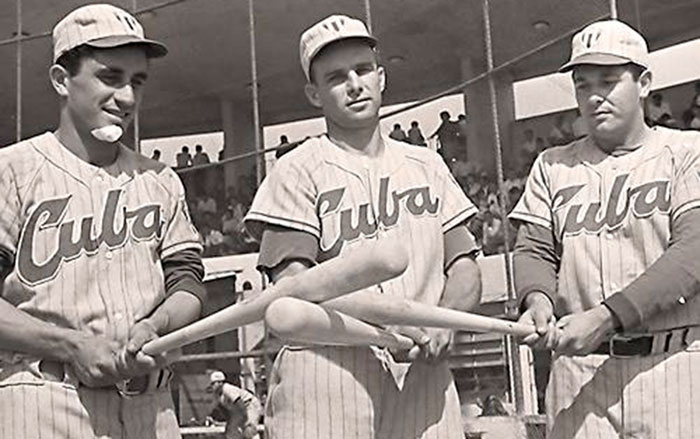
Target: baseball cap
215,376
101,26
609,42
330,29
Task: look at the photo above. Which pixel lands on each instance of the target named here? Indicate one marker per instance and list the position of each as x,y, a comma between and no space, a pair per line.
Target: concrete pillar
239,138
481,139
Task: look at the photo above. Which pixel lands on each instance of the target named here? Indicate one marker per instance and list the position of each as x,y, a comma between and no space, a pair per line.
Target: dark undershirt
670,281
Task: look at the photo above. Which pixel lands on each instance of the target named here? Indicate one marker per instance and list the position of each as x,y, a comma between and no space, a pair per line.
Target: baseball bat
300,321
383,309
363,267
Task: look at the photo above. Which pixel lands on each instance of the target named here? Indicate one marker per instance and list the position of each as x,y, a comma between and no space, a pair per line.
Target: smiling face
347,84
610,99
107,88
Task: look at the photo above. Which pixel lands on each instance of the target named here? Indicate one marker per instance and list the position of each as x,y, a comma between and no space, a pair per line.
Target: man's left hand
583,332
439,345
134,362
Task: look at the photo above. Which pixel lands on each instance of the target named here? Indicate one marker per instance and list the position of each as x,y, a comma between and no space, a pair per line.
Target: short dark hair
72,60
636,70
337,44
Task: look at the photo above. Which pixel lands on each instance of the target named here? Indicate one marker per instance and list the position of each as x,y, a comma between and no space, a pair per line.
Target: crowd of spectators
218,214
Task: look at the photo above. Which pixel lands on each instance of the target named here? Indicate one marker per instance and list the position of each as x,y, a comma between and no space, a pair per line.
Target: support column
481,141
239,138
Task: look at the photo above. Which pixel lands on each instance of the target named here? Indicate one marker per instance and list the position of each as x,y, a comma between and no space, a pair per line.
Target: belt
56,371
640,345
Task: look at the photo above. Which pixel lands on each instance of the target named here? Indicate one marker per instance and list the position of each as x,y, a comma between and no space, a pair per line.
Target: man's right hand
95,361
539,312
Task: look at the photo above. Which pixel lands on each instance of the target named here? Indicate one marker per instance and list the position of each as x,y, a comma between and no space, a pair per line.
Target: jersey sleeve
535,203
180,233
685,190
10,215
286,198
456,207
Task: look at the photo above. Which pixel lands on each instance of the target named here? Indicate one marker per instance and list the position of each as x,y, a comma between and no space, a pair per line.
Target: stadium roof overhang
423,45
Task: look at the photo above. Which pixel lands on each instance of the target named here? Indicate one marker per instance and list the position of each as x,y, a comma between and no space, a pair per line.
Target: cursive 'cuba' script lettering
47,221
358,221
642,201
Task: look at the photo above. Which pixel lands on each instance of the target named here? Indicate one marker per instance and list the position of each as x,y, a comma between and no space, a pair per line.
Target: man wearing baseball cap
241,409
606,262
97,252
338,192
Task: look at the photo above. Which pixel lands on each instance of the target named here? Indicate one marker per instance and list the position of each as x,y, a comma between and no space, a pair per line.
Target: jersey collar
82,171
390,161
597,159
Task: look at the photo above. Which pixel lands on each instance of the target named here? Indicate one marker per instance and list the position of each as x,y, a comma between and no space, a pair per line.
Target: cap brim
601,59
370,39
154,49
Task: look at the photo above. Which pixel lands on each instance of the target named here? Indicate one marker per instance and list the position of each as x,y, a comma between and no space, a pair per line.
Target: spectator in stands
284,146
657,108
213,241
562,132
206,205
462,136
241,409
398,133
183,158
528,149
156,155
447,134
694,123
696,96
200,157
232,226
415,135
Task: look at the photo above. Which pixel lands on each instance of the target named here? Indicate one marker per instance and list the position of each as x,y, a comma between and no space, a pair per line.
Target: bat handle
157,346
398,341
520,329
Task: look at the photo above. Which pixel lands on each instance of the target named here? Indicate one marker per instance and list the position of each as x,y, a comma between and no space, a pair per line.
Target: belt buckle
619,338
144,384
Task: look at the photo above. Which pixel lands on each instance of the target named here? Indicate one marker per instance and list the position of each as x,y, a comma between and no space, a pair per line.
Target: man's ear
59,79
382,78
645,84
311,92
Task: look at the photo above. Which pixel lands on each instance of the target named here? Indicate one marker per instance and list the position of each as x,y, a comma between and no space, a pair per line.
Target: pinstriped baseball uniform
344,200
87,242
612,216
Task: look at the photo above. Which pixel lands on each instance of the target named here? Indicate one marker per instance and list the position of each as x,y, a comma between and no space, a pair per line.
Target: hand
440,344
419,337
132,360
583,332
431,344
94,361
539,313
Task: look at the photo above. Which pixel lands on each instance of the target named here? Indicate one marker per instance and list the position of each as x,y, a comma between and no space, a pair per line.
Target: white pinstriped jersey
344,199
612,215
88,240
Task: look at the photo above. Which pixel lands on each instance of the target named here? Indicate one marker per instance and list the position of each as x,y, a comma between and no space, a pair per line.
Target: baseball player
97,251
241,408
606,261
339,191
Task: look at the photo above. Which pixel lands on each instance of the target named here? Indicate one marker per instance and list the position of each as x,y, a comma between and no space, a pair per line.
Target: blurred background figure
239,408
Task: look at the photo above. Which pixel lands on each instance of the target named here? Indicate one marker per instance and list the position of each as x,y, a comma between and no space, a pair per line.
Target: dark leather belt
627,346
639,345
